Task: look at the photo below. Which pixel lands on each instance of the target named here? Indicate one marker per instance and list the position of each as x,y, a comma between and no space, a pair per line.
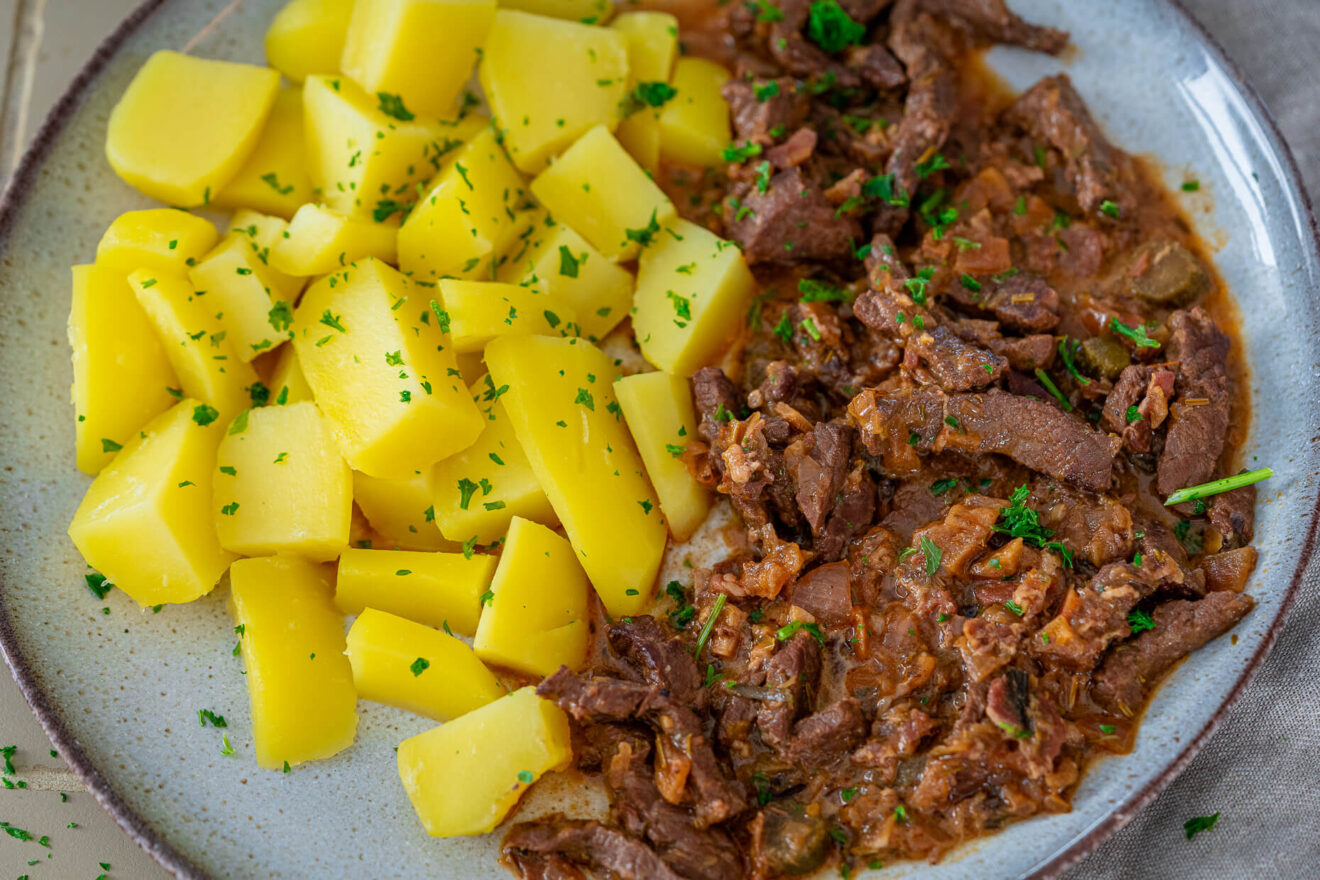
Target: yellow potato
604,195
556,260
581,75
287,382
585,11
467,217
185,125
163,239
481,310
307,37
536,620
438,589
121,376
465,776
562,407
693,289
694,124
639,134
292,638
658,410
479,490
274,178
383,371
423,670
282,486
243,288
321,241
401,511
365,162
652,44
198,348
146,521
261,233
420,50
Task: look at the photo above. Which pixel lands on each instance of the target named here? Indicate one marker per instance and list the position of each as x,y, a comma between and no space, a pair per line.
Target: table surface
42,45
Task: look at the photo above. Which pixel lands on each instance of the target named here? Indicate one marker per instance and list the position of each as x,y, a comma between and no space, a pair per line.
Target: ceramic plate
119,691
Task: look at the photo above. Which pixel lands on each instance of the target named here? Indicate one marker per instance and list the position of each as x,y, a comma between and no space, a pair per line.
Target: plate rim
164,853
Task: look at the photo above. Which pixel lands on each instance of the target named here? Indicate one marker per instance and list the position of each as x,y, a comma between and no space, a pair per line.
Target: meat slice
1233,514
713,396
928,114
1198,418
992,21
1007,702
1054,112
662,659
790,222
1139,404
1023,302
794,669
853,513
585,843
898,426
954,362
1033,433
794,151
828,734
820,470
877,67
1181,626
754,118
1025,353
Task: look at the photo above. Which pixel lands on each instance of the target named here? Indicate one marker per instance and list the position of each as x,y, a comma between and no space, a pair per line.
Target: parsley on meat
1020,521
829,27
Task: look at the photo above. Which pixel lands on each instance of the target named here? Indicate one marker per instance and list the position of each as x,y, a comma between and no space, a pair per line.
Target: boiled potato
402,663
365,162
478,491
581,75
652,44
146,521
274,178
121,376
562,407
692,293
604,195
481,310
443,590
464,776
197,346
320,241
694,124
467,216
292,638
536,620
383,370
558,261
401,511
185,125
287,382
281,485
423,51
585,11
164,239
639,134
658,410
307,37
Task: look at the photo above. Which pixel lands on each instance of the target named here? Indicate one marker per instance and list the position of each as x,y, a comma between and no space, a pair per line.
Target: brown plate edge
181,868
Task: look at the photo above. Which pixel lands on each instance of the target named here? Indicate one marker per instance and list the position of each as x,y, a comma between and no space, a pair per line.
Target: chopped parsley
392,105
205,715
932,555
1020,521
1133,414
653,94
418,666
1140,621
646,234
204,415
568,264
1197,824
829,27
1136,334
788,630
735,153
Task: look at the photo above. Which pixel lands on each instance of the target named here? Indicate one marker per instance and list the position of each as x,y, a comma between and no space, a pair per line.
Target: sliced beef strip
1052,111
828,734
955,363
661,658
712,392
876,66
898,427
790,222
992,21
853,513
754,119
883,267
1139,404
1026,353
1023,302
1198,418
1233,514
862,11
1097,528
1181,626
794,151
821,471
794,669
928,114
591,844
1008,700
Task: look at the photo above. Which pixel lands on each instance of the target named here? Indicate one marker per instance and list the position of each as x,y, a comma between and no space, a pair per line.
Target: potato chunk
652,44
465,776
604,195
402,663
558,261
164,239
639,134
536,620
185,125
274,179
321,241
287,382
437,589
562,407
292,638
282,486
581,76
481,310
380,368
307,37
197,346
120,371
401,511
420,50
146,521
585,11
694,124
364,161
467,218
478,491
658,410
692,293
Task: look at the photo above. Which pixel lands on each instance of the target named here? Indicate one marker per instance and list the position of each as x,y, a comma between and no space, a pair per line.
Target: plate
119,691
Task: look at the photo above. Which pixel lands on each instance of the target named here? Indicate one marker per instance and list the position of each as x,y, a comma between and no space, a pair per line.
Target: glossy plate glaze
119,691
